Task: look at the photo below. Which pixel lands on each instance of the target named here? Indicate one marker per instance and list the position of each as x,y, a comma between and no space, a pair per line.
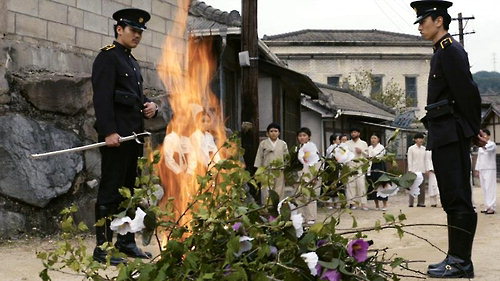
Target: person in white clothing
308,155
269,150
356,186
432,181
416,164
376,170
486,166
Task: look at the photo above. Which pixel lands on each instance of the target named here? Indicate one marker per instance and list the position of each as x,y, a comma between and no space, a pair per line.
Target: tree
487,81
392,95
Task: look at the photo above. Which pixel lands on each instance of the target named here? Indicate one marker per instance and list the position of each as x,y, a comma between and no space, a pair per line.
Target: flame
186,71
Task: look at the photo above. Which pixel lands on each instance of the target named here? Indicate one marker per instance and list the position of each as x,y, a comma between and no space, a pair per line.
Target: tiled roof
329,35
356,104
203,17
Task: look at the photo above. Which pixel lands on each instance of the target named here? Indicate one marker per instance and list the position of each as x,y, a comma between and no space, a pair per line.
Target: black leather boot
458,263
126,244
104,234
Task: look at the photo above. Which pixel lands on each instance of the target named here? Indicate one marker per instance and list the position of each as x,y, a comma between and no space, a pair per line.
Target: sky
281,16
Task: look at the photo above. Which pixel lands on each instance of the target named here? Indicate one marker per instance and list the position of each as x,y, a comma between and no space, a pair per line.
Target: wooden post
249,82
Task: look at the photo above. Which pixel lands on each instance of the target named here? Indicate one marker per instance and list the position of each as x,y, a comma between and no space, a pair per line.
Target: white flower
296,217
137,224
308,154
126,224
414,188
297,220
387,190
343,154
311,259
121,225
245,245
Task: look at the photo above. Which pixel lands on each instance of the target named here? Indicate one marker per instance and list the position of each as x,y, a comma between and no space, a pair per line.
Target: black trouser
452,165
118,169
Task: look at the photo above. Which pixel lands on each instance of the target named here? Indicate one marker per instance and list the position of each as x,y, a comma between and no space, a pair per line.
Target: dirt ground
18,260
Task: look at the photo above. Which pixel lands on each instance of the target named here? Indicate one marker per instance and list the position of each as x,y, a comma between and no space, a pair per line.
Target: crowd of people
363,187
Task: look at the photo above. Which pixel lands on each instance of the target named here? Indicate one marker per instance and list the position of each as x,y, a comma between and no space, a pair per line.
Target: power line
397,13
387,16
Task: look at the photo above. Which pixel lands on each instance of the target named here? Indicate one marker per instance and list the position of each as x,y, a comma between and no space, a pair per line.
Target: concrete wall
328,61
65,35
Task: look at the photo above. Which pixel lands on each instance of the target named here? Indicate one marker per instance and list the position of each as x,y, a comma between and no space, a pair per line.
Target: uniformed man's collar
437,45
121,47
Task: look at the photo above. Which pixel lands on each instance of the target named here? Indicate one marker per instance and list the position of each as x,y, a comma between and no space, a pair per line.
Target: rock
93,162
92,183
89,130
56,93
11,224
35,181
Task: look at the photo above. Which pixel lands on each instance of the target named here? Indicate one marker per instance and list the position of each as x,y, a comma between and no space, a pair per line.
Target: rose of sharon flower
126,224
342,153
331,275
358,249
308,154
237,226
311,259
121,225
245,245
296,217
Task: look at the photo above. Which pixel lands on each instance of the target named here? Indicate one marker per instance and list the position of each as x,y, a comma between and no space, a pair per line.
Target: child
308,155
269,150
486,166
376,150
203,141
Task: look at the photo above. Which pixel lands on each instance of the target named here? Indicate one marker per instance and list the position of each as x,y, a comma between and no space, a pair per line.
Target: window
333,80
376,85
411,90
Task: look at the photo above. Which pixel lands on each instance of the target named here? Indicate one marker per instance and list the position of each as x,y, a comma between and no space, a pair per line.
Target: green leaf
401,217
208,276
397,262
82,226
125,192
389,218
44,275
330,265
316,228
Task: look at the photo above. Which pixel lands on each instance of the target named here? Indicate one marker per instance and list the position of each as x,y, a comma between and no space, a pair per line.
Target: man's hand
113,140
480,139
149,109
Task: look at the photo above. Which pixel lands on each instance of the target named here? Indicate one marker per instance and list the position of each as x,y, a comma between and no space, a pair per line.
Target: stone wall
47,48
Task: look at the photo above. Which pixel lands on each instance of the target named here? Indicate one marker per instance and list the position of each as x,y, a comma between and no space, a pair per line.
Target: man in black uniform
120,107
453,121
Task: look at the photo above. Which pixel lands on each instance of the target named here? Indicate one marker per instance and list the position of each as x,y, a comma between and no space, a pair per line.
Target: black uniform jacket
450,79
118,97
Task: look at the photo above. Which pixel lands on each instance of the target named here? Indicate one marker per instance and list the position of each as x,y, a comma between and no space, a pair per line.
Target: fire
196,130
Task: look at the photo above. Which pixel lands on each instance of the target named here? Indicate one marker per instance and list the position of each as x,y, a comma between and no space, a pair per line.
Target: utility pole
249,83
461,27
494,62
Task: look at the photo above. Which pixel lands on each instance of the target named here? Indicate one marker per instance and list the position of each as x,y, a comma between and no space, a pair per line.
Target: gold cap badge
141,20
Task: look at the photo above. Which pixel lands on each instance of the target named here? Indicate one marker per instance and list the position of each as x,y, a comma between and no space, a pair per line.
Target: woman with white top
376,150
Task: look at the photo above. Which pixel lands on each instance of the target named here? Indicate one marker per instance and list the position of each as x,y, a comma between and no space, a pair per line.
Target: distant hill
488,82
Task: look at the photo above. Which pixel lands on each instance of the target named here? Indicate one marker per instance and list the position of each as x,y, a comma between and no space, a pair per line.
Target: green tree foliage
487,82
392,95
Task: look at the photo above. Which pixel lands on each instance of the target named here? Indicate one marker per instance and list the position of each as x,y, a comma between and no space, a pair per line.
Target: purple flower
271,218
227,270
358,249
321,242
273,250
237,226
331,275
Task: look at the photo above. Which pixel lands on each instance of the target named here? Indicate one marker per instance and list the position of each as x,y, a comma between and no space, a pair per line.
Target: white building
328,56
